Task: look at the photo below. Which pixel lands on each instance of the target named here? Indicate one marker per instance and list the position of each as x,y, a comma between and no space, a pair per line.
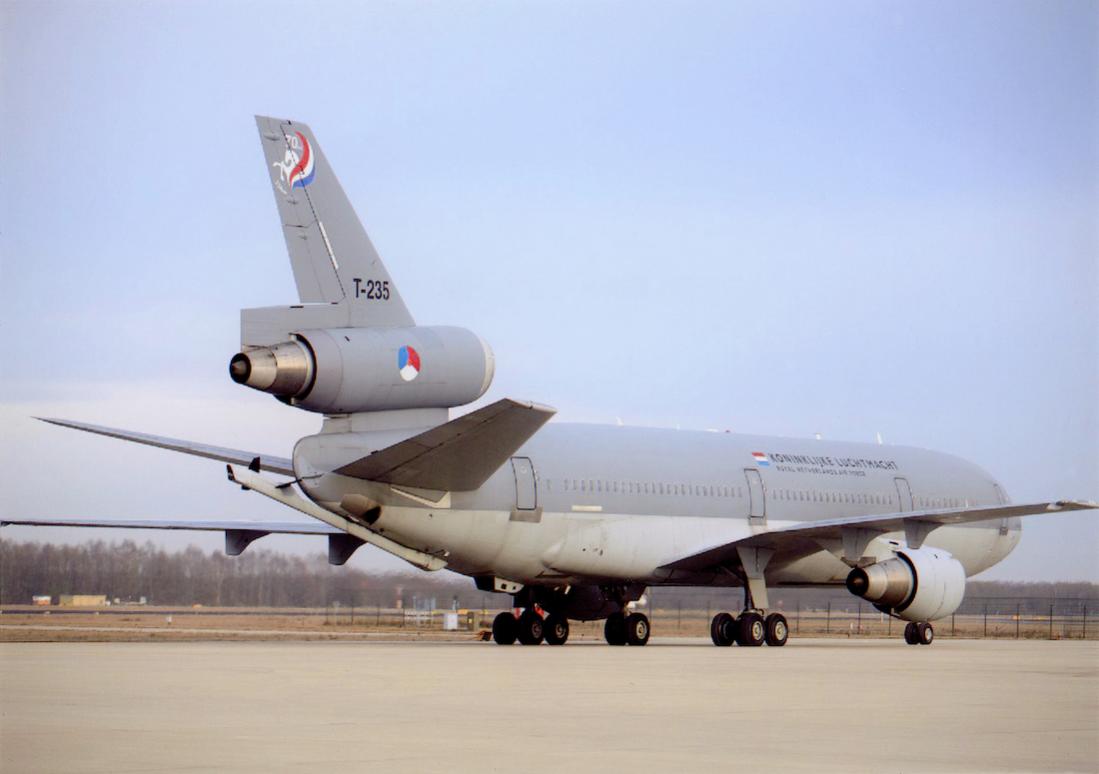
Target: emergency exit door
526,490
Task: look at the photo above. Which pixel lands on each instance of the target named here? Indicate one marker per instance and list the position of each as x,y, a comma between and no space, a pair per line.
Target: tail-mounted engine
916,584
347,370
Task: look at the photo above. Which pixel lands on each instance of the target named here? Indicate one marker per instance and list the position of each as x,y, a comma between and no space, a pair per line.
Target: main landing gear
749,629
919,633
530,628
632,629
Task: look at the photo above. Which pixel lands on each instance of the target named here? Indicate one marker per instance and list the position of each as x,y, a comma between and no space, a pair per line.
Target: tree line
129,571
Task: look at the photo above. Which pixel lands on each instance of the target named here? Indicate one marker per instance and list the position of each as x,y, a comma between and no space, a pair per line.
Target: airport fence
993,618
672,613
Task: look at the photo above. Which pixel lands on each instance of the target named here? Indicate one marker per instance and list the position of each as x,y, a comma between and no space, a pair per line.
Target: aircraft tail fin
331,255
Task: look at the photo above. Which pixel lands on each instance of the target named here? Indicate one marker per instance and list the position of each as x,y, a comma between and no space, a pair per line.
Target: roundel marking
408,363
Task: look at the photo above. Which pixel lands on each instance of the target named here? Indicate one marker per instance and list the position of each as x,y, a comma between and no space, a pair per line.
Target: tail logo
298,166
408,363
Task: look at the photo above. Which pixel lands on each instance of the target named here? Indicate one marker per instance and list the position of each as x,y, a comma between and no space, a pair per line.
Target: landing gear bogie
776,631
556,630
614,629
632,629
637,629
505,629
723,630
531,628
751,631
919,633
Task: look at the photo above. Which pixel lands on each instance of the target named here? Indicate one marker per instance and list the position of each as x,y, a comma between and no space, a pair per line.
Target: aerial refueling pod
346,370
922,584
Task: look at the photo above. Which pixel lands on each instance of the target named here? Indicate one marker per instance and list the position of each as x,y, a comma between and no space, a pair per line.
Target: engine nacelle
346,370
922,584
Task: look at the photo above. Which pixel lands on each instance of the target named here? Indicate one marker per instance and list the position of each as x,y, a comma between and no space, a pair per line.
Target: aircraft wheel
614,630
776,630
723,630
911,634
751,631
505,629
531,628
637,629
556,630
925,635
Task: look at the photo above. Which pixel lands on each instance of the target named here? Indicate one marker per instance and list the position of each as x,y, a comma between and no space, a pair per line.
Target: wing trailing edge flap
458,456
267,462
848,537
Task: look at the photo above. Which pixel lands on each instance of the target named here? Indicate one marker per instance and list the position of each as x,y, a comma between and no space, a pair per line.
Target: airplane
574,521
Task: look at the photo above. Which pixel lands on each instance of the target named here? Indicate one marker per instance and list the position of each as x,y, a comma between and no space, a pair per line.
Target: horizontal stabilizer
458,456
915,525
267,462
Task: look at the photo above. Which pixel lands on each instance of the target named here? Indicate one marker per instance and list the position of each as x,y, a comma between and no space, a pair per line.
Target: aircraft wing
459,455
267,462
851,534
269,527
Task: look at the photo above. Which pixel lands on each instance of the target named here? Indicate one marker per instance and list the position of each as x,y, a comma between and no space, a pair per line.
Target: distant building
41,601
82,600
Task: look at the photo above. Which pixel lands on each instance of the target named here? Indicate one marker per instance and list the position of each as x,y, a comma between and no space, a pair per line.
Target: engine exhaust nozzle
889,583
284,370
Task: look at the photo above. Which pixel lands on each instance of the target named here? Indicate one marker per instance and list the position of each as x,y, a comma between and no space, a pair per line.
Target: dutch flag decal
761,459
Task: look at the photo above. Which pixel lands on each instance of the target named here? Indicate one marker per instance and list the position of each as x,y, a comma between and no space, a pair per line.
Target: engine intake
346,370
916,585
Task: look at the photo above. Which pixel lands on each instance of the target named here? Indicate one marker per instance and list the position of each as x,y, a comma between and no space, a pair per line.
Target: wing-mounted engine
922,584
349,370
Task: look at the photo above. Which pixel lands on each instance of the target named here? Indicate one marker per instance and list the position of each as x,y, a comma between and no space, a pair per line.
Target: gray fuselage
598,504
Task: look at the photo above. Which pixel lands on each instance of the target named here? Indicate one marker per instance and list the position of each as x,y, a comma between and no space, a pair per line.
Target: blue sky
792,218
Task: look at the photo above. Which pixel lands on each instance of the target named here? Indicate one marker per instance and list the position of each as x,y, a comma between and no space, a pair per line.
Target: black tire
776,631
911,635
925,635
531,628
614,630
637,629
751,630
505,629
723,630
556,630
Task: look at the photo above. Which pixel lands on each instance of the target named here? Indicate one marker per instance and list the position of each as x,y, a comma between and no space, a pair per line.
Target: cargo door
526,489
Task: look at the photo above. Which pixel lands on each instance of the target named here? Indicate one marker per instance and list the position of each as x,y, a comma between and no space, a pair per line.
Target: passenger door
904,493
526,489
757,498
